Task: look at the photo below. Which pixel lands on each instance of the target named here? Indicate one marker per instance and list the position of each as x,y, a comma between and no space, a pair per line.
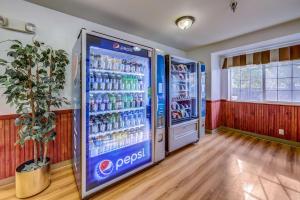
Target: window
278,81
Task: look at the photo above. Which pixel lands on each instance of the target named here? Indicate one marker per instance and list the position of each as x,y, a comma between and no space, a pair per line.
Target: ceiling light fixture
185,22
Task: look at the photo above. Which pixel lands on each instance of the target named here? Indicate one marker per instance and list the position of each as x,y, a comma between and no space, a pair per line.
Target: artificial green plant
33,79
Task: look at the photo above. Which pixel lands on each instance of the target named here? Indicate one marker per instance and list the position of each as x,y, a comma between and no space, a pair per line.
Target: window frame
264,101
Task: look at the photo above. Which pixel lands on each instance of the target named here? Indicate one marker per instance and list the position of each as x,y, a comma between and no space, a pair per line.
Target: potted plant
33,79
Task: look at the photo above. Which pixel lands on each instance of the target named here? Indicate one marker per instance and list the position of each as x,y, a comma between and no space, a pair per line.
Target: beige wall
214,82
58,30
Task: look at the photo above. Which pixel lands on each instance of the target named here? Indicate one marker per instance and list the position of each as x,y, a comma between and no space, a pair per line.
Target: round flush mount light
185,22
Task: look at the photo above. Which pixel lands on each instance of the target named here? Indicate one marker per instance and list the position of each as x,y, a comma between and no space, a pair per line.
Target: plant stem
31,97
45,152
41,151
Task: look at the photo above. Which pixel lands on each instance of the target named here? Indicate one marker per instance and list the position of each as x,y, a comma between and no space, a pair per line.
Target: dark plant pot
33,182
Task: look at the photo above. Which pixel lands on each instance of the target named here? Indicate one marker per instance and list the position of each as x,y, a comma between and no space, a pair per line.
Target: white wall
59,31
210,54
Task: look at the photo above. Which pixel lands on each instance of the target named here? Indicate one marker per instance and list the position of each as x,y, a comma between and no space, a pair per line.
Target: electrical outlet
281,131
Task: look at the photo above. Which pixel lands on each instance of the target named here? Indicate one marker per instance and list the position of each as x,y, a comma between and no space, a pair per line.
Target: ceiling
154,19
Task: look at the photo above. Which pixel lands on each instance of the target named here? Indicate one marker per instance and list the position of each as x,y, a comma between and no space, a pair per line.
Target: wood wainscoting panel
260,118
12,155
213,114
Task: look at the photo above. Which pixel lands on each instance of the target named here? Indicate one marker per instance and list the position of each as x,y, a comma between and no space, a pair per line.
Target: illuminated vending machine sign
118,109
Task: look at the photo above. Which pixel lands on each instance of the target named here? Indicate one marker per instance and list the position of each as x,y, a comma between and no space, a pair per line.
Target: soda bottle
126,121
109,82
94,126
94,105
109,63
91,125
115,82
122,83
98,102
142,68
141,100
123,65
140,83
102,62
124,101
108,122
132,67
127,66
121,120
101,105
119,102
125,82
92,59
106,102
112,99
128,103
132,83
98,66
91,81
139,68
115,124
102,125
118,82
141,116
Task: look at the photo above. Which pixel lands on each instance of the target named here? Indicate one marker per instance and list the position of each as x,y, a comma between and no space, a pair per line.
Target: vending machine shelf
117,148
114,131
117,72
116,111
116,91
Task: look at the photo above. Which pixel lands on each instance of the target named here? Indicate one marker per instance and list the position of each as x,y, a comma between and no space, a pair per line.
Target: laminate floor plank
224,166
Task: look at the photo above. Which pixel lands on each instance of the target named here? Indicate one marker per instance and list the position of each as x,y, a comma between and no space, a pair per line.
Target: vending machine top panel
122,46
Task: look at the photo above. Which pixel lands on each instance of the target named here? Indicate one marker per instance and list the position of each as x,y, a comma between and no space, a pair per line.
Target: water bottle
121,120
102,125
98,102
103,61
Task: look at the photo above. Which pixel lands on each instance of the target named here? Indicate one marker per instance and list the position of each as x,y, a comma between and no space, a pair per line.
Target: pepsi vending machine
113,97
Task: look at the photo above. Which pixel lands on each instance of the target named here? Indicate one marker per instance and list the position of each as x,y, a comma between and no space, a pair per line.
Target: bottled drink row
110,102
108,81
117,140
105,62
116,121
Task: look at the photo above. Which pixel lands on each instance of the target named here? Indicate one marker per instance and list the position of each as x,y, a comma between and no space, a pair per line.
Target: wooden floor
225,165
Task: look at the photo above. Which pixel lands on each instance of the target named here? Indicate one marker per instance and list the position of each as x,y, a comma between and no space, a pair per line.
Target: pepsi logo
116,45
105,168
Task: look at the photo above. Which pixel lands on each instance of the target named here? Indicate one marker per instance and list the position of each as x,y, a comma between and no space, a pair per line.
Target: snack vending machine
114,87
182,102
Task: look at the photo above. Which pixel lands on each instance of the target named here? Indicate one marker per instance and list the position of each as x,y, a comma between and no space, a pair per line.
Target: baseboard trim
263,137
55,166
208,131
